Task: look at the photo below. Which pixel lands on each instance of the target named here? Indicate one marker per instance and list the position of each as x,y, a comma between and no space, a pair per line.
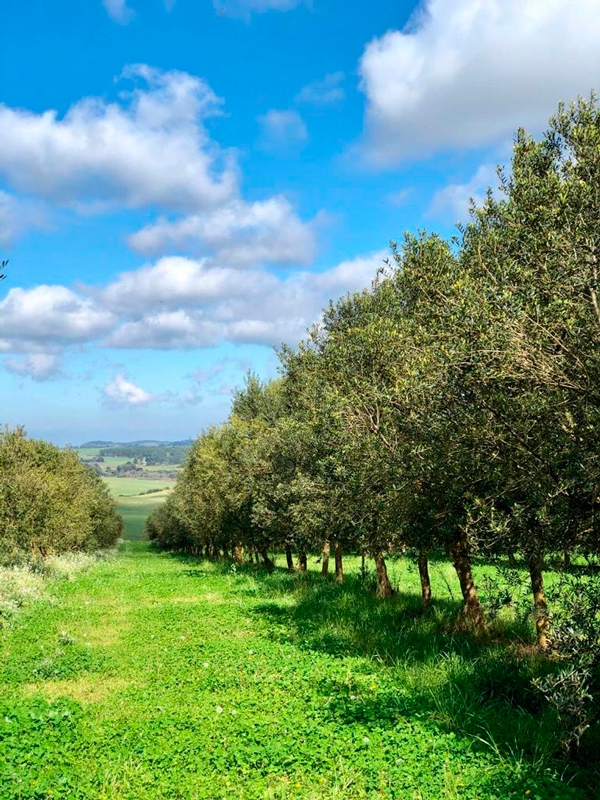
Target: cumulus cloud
169,330
172,282
255,307
33,319
151,148
176,304
122,392
18,215
399,198
324,92
37,366
453,200
282,130
239,234
465,73
118,10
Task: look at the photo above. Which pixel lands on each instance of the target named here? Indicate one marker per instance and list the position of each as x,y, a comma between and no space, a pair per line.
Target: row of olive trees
50,502
454,405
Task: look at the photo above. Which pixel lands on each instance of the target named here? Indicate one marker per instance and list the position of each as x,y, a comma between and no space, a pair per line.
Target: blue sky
184,185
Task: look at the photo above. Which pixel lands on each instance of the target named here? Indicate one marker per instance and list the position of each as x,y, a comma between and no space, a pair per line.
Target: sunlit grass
156,676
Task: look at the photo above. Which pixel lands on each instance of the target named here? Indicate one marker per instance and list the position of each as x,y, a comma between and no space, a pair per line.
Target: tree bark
540,604
423,563
384,587
325,558
462,565
289,558
339,566
268,563
302,561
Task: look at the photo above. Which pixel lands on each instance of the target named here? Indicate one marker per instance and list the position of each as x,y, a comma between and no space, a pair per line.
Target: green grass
135,510
155,676
134,505
128,487
88,452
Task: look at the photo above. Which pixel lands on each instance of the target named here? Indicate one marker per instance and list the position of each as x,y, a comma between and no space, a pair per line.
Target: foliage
452,406
50,502
155,454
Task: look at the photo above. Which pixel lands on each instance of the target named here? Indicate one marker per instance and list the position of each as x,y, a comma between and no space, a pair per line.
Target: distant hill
138,443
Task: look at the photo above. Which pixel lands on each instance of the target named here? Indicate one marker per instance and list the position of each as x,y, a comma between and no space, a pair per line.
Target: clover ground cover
153,676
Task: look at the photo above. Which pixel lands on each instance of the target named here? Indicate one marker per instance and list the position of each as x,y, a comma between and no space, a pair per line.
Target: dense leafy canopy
50,502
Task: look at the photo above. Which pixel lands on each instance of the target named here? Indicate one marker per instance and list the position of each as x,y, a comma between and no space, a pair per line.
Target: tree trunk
384,587
540,605
288,558
268,563
462,565
325,558
302,561
424,575
339,566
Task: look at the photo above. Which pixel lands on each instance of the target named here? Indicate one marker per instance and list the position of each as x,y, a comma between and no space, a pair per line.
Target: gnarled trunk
462,565
423,563
339,566
325,557
540,604
288,558
268,563
302,561
384,587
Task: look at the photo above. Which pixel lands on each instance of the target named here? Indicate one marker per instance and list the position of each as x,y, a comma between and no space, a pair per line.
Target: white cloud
253,307
151,148
168,330
454,199
465,73
243,8
238,234
282,130
175,304
118,10
37,366
34,319
324,92
122,392
172,283
17,216
399,198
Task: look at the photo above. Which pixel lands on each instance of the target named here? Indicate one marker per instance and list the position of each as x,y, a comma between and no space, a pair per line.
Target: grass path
155,677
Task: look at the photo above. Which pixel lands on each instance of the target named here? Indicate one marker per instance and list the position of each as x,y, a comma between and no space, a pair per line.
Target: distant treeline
151,455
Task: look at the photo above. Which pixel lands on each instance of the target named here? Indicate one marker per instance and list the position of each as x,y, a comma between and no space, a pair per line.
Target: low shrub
50,503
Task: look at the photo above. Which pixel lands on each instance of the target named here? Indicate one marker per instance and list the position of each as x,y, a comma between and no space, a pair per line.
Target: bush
50,503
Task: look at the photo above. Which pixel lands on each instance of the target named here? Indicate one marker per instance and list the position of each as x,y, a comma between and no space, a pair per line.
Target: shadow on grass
427,666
